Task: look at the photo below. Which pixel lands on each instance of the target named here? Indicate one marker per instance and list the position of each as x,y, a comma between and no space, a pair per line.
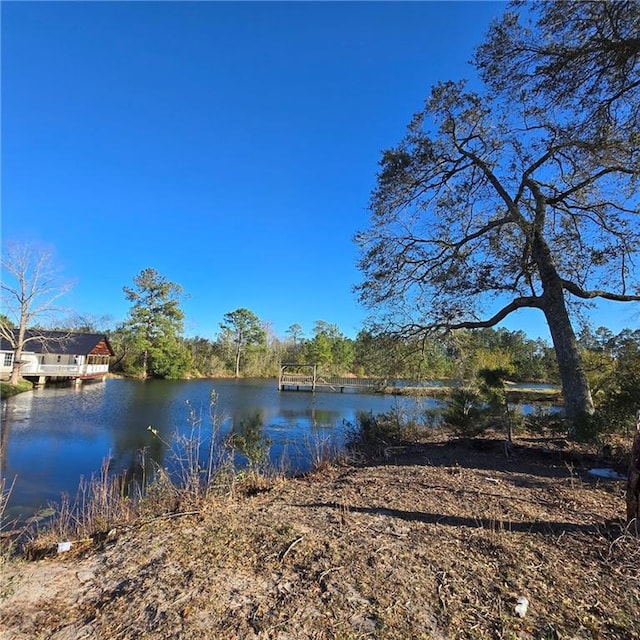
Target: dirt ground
437,540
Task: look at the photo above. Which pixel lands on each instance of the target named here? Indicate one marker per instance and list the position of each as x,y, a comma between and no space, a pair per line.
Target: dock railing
63,370
313,382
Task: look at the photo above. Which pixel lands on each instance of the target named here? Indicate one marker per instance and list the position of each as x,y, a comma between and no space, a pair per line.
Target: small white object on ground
64,546
522,606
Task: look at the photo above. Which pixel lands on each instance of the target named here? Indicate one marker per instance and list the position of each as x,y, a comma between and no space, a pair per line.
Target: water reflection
133,408
52,437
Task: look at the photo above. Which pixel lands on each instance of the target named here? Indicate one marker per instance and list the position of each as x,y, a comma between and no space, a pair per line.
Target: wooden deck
306,382
309,380
40,374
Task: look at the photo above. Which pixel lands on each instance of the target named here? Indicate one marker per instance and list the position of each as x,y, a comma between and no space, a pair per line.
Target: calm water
52,437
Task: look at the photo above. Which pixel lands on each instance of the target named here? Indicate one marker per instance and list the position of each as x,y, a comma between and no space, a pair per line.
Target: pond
51,437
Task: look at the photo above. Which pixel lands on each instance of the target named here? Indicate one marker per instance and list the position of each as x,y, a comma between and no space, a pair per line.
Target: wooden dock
304,377
305,382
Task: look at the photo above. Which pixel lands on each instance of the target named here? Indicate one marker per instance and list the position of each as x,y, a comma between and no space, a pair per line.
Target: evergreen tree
243,329
154,326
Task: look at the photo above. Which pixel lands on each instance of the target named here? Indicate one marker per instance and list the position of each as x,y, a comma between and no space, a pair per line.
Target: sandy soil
437,540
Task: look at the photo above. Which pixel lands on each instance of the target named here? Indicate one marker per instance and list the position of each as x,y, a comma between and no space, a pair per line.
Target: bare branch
533,302
579,292
28,293
497,185
589,181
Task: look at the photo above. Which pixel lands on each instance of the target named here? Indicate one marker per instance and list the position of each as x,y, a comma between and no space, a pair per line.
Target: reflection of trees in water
135,449
248,437
82,426
310,435
318,418
135,469
323,418
13,410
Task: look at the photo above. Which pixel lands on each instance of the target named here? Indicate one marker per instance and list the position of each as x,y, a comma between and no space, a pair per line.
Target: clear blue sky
230,146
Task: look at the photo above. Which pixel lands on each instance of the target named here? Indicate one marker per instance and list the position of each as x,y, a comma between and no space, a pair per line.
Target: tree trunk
17,364
633,478
17,354
575,386
238,360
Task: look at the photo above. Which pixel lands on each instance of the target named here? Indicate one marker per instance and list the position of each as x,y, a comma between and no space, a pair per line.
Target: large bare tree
31,285
492,204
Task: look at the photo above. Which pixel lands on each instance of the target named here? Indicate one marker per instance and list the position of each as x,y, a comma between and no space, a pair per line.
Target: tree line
150,343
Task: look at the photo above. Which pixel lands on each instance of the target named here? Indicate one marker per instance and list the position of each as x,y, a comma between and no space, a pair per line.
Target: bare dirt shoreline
437,540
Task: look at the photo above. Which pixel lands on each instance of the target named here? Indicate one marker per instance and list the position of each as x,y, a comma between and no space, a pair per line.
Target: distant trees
150,342
84,323
31,286
151,335
613,366
293,343
206,357
330,348
457,356
291,347
269,356
243,330
522,358
506,198
295,333
382,355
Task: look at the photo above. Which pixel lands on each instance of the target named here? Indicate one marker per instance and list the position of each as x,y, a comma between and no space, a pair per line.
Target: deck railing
70,370
294,378
368,383
334,383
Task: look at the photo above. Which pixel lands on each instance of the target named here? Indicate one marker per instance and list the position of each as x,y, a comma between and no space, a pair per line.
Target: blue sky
230,146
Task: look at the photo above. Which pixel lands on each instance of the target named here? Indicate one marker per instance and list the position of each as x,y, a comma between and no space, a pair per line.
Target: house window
8,359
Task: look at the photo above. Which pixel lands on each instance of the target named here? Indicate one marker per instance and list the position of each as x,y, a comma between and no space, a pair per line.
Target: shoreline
436,540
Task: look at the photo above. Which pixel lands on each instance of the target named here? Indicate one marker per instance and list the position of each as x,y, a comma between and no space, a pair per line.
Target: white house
58,354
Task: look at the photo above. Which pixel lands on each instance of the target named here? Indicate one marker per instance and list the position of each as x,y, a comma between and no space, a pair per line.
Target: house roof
61,342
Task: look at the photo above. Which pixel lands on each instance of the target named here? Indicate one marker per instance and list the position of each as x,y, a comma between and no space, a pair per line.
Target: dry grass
438,540
7,535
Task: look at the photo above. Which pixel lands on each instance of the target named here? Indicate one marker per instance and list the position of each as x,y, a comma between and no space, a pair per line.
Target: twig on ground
328,571
293,544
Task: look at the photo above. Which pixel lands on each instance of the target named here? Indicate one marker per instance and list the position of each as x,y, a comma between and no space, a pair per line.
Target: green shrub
542,421
372,433
249,440
465,412
618,398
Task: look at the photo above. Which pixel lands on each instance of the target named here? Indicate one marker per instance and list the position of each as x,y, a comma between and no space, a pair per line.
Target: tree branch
587,181
579,292
512,207
532,302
